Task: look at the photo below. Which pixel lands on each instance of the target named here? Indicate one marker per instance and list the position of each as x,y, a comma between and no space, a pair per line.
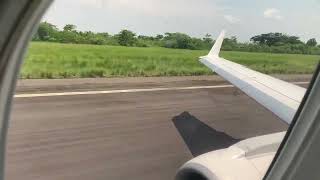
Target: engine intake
190,174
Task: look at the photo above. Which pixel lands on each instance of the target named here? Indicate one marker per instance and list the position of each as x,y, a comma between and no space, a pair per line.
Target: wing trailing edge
280,97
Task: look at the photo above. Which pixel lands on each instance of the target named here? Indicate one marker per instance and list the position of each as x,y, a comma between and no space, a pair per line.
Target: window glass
114,89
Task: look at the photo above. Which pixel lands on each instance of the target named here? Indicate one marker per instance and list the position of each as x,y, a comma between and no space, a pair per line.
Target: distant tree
69,27
207,41
312,42
270,42
293,40
183,40
100,38
275,39
159,37
126,38
46,32
89,37
197,44
146,37
177,40
104,34
230,43
70,37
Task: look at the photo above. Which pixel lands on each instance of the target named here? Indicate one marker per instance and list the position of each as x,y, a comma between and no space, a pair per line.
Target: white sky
242,18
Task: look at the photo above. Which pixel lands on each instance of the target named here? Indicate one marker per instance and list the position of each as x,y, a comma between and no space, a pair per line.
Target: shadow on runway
199,137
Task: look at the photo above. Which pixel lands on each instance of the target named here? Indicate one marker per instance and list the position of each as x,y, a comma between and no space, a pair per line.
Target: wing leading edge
280,97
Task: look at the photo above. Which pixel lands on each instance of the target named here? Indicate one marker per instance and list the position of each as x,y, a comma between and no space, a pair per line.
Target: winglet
214,52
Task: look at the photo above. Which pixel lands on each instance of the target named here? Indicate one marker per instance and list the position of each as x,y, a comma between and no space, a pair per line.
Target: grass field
52,60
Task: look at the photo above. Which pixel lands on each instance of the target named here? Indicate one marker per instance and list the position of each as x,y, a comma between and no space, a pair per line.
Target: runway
144,134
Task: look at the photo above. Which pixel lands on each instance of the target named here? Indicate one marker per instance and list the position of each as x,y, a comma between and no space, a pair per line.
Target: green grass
53,60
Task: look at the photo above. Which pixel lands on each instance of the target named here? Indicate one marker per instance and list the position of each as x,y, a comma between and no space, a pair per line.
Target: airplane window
150,89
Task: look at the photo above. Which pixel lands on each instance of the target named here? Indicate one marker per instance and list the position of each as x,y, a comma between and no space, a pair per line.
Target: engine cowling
248,159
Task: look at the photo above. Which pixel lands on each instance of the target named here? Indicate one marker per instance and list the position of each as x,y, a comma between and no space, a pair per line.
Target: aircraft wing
280,97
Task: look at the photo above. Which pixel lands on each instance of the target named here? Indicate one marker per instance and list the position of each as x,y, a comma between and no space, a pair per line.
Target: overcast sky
242,18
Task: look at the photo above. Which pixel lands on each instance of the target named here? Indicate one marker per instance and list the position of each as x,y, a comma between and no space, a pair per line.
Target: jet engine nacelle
248,159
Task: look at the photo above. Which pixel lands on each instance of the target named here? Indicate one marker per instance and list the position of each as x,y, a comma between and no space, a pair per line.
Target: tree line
270,42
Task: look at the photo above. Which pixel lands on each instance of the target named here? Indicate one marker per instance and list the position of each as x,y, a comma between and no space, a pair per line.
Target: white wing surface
280,97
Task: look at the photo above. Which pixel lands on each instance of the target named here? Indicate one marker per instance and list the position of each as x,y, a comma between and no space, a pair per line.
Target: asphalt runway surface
136,135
